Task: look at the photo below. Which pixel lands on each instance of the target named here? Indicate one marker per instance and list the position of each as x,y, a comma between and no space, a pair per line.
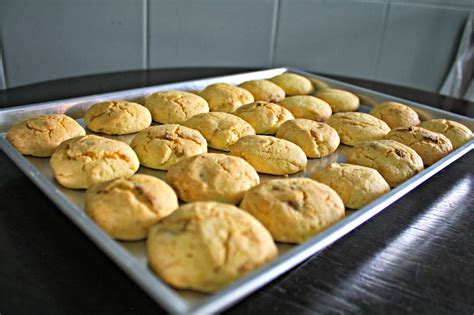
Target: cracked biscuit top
293,84
457,133
40,136
294,209
117,117
264,90
307,106
83,161
396,115
223,97
340,100
212,177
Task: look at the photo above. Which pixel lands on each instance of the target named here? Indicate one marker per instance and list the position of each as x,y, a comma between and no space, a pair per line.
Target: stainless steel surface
130,256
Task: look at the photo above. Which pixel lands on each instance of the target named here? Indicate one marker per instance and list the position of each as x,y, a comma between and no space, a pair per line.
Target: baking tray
130,256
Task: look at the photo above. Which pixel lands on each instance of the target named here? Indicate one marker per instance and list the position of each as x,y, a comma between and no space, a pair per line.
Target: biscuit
264,90
125,208
264,117
315,138
223,97
294,209
396,115
306,106
457,133
395,161
340,100
83,161
160,147
270,155
117,117
175,107
212,177
354,127
429,145
204,246
221,130
40,136
356,185
293,84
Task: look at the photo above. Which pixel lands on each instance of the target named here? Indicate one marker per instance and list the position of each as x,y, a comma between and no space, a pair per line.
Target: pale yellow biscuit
212,177
264,90
204,246
315,138
223,97
117,117
429,145
356,185
175,107
396,115
293,84
294,209
270,155
125,208
41,135
160,147
83,161
395,161
264,117
340,100
309,107
457,133
221,130
354,127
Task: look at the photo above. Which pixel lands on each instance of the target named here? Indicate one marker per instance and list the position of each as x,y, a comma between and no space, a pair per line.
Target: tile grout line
3,72
273,36
382,41
145,34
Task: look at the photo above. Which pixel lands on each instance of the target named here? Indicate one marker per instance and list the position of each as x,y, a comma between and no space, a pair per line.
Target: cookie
83,161
264,117
356,185
309,107
396,115
41,135
395,161
175,107
457,133
160,147
315,138
354,127
221,130
264,90
204,246
340,100
117,117
125,208
429,145
293,84
223,97
212,177
294,209
270,155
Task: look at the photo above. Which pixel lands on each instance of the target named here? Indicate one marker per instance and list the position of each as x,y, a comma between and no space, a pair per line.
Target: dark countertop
415,256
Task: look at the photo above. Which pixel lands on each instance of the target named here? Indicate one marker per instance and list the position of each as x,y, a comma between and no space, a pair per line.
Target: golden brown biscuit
395,161
457,133
223,97
175,107
270,155
160,147
125,208
429,145
117,117
306,106
396,115
293,84
315,138
294,209
354,127
264,117
340,100
356,185
40,136
83,161
264,90
204,246
221,130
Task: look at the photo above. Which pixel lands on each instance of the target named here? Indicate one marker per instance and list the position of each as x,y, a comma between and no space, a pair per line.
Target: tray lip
166,296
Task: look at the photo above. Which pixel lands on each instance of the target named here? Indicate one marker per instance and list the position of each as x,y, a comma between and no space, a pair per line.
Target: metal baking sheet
131,257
